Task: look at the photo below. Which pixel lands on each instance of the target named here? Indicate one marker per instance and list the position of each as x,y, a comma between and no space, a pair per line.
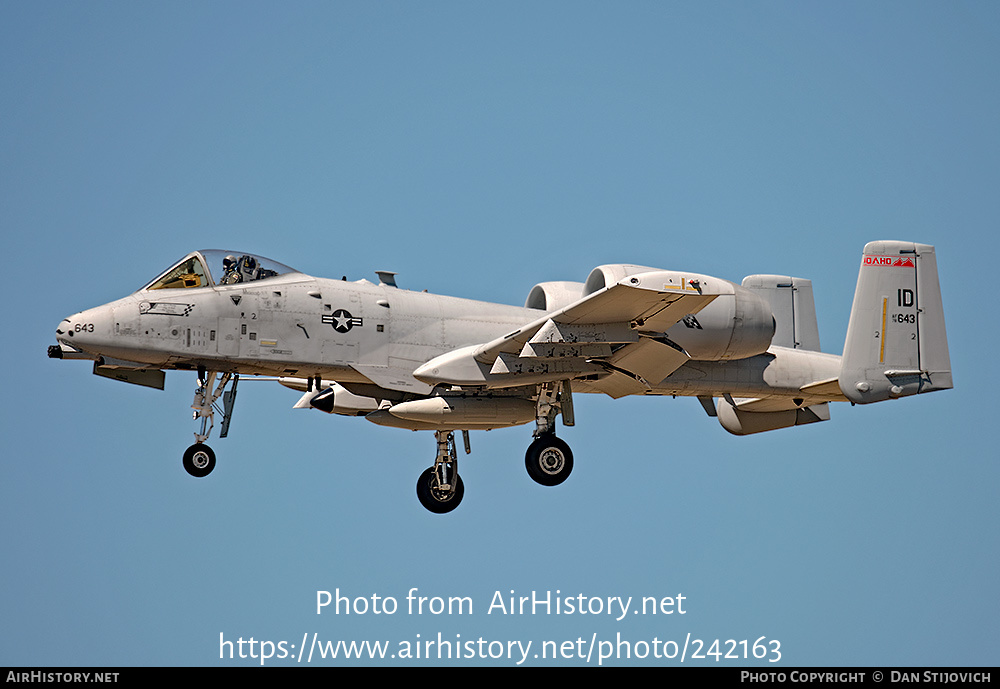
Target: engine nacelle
736,325
733,326
549,296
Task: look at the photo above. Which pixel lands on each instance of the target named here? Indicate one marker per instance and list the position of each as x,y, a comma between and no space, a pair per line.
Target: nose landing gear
199,459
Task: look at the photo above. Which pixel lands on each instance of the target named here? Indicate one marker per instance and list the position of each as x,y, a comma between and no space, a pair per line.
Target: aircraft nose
73,328
63,329
85,329
68,335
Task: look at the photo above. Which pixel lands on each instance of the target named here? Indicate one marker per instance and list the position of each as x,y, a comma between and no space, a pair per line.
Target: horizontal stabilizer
742,421
829,389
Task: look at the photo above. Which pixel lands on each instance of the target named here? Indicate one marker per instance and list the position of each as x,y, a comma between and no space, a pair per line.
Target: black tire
199,460
548,460
434,499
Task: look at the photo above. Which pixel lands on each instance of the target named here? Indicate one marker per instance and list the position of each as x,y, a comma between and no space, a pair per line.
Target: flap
650,360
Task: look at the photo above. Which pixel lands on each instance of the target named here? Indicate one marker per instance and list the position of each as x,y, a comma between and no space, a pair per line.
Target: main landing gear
440,488
548,459
199,459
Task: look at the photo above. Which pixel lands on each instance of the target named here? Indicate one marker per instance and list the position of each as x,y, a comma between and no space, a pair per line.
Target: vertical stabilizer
896,343
794,310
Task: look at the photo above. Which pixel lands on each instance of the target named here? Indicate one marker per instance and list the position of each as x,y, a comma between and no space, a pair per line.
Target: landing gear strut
440,488
199,459
548,459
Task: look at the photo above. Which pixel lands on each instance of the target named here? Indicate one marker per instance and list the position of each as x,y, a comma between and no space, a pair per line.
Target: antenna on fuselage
386,277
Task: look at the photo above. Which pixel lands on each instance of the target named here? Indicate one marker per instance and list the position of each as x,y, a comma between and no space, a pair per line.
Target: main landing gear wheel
432,496
199,460
548,460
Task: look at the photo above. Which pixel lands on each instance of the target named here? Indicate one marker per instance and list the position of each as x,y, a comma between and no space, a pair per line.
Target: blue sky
477,149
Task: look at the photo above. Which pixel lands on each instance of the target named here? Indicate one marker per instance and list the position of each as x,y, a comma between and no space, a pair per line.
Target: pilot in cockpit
230,271
243,269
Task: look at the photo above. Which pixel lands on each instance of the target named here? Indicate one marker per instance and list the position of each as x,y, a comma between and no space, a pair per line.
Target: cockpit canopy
216,267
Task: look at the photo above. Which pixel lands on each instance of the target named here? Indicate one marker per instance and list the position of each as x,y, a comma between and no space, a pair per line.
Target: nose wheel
199,460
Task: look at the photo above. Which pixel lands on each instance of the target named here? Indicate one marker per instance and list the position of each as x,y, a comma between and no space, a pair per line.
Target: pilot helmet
229,262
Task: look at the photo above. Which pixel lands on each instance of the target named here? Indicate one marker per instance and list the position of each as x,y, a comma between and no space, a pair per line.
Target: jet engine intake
607,275
549,296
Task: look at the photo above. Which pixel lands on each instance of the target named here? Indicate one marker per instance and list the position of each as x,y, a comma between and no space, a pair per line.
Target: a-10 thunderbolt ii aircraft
749,353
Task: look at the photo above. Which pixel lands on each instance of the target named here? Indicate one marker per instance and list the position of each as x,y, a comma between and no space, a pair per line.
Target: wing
613,336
